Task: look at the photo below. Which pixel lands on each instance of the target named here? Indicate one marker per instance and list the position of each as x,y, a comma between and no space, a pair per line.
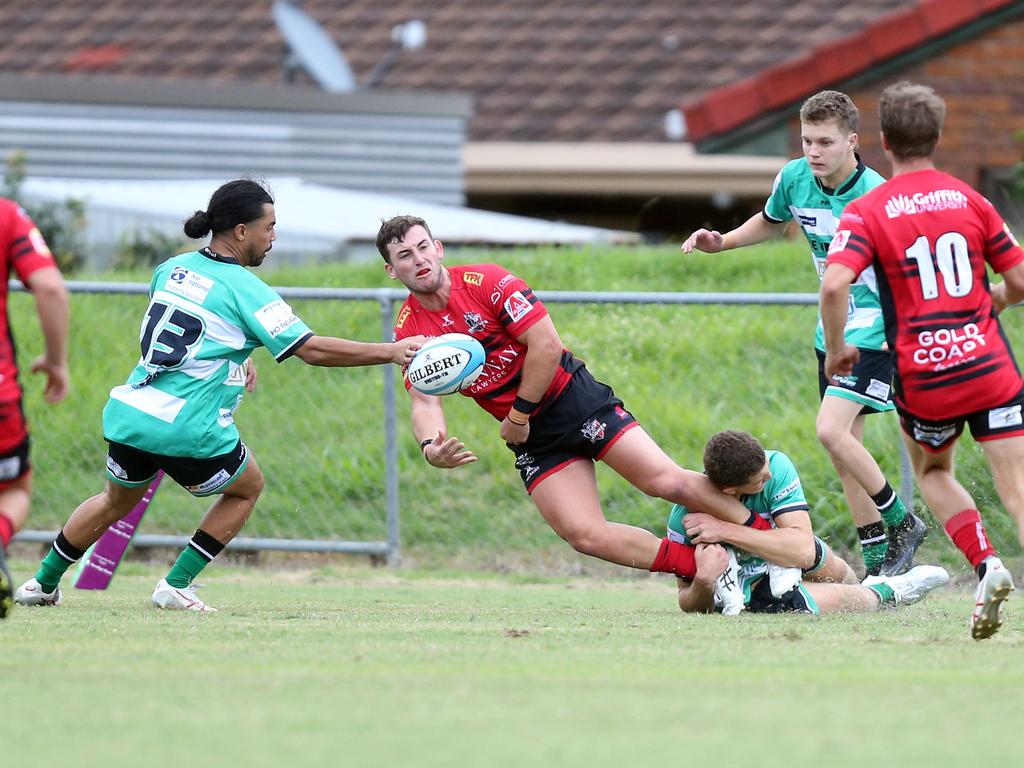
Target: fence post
906,477
390,438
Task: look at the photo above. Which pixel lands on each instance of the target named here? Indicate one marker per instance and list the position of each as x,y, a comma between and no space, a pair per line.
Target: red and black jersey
495,307
929,237
23,250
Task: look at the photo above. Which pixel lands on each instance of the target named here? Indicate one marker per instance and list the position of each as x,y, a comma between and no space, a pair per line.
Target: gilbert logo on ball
446,364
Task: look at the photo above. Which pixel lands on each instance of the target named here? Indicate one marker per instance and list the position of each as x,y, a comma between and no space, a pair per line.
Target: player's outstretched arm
333,352
53,307
428,424
754,230
698,595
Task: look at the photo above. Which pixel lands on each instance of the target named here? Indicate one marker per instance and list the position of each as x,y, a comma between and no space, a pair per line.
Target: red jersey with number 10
929,237
23,250
493,306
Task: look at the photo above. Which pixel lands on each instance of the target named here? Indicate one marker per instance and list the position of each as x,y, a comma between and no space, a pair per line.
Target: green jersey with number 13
798,195
206,315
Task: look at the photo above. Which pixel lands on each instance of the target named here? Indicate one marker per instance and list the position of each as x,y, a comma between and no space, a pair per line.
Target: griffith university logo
898,206
924,202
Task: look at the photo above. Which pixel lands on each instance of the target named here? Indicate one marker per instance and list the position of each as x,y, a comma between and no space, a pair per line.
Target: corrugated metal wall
406,144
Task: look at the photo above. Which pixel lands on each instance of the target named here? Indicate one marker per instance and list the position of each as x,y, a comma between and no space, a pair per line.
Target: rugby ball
446,364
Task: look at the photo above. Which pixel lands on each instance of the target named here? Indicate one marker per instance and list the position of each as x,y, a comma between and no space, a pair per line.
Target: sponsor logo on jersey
1008,416
188,284
474,322
523,460
934,436
925,202
878,389
446,321
839,241
276,317
531,471
593,430
517,306
212,484
793,486
402,317
39,242
808,221
116,469
505,281
496,367
948,347
473,278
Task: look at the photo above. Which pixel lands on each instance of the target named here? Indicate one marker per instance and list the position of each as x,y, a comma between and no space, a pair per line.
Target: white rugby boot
728,592
31,593
782,579
175,599
913,585
992,590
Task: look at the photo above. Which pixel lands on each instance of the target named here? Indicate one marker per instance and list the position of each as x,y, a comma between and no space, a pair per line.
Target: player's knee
665,485
587,540
829,435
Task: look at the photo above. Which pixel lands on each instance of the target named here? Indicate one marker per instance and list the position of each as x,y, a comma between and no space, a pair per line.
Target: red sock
676,558
6,530
758,523
968,533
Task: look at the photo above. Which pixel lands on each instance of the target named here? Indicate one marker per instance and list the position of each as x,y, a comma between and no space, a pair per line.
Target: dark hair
731,458
911,117
394,229
831,105
237,202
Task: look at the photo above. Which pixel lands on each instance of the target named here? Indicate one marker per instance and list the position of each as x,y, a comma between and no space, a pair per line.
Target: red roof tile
576,70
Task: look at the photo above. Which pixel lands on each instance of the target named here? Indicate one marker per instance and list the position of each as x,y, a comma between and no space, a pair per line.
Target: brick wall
982,81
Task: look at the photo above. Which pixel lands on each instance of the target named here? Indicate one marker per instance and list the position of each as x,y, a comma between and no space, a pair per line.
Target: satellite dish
313,48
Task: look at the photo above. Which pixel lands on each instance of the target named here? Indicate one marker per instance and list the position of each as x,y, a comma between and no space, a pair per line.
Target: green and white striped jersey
798,195
206,315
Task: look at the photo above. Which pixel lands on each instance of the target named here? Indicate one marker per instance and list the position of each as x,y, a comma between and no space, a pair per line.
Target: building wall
982,82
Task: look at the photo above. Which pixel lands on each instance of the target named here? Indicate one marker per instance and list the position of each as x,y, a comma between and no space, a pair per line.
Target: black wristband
425,443
524,406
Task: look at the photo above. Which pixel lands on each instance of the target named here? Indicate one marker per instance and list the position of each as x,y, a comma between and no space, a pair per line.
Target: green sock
62,555
186,568
890,506
873,545
885,594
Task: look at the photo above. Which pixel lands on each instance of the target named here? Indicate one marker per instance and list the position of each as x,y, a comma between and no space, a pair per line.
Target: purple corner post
100,562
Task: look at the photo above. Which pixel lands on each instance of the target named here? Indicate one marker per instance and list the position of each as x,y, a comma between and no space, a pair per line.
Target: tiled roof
573,70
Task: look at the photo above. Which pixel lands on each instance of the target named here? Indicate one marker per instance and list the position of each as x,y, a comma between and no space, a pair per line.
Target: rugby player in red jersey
929,237
555,416
23,251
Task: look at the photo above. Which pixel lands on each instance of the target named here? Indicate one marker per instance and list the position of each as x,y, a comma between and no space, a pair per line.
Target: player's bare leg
568,501
232,509
1006,458
647,467
97,513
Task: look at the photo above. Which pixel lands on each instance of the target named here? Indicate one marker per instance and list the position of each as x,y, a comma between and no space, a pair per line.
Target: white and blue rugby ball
446,364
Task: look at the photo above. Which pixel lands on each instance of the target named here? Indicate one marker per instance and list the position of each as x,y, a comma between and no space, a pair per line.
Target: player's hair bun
198,225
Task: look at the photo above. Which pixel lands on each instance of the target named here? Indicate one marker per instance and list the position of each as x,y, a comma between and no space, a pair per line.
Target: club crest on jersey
517,306
593,430
474,322
473,278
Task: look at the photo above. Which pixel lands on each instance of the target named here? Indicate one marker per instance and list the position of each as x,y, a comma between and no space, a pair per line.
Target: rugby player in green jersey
207,313
745,570
813,190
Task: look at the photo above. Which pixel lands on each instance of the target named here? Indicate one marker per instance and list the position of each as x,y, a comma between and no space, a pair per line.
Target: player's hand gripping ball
446,364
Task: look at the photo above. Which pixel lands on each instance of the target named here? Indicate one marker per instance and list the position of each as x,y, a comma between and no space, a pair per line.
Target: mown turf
340,667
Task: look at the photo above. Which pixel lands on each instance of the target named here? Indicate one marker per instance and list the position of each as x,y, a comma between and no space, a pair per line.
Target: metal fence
387,545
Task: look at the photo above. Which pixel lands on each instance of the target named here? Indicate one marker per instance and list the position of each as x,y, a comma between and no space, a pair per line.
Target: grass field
333,666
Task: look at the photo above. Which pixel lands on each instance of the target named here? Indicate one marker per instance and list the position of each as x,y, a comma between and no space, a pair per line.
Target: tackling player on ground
745,573
929,237
813,190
